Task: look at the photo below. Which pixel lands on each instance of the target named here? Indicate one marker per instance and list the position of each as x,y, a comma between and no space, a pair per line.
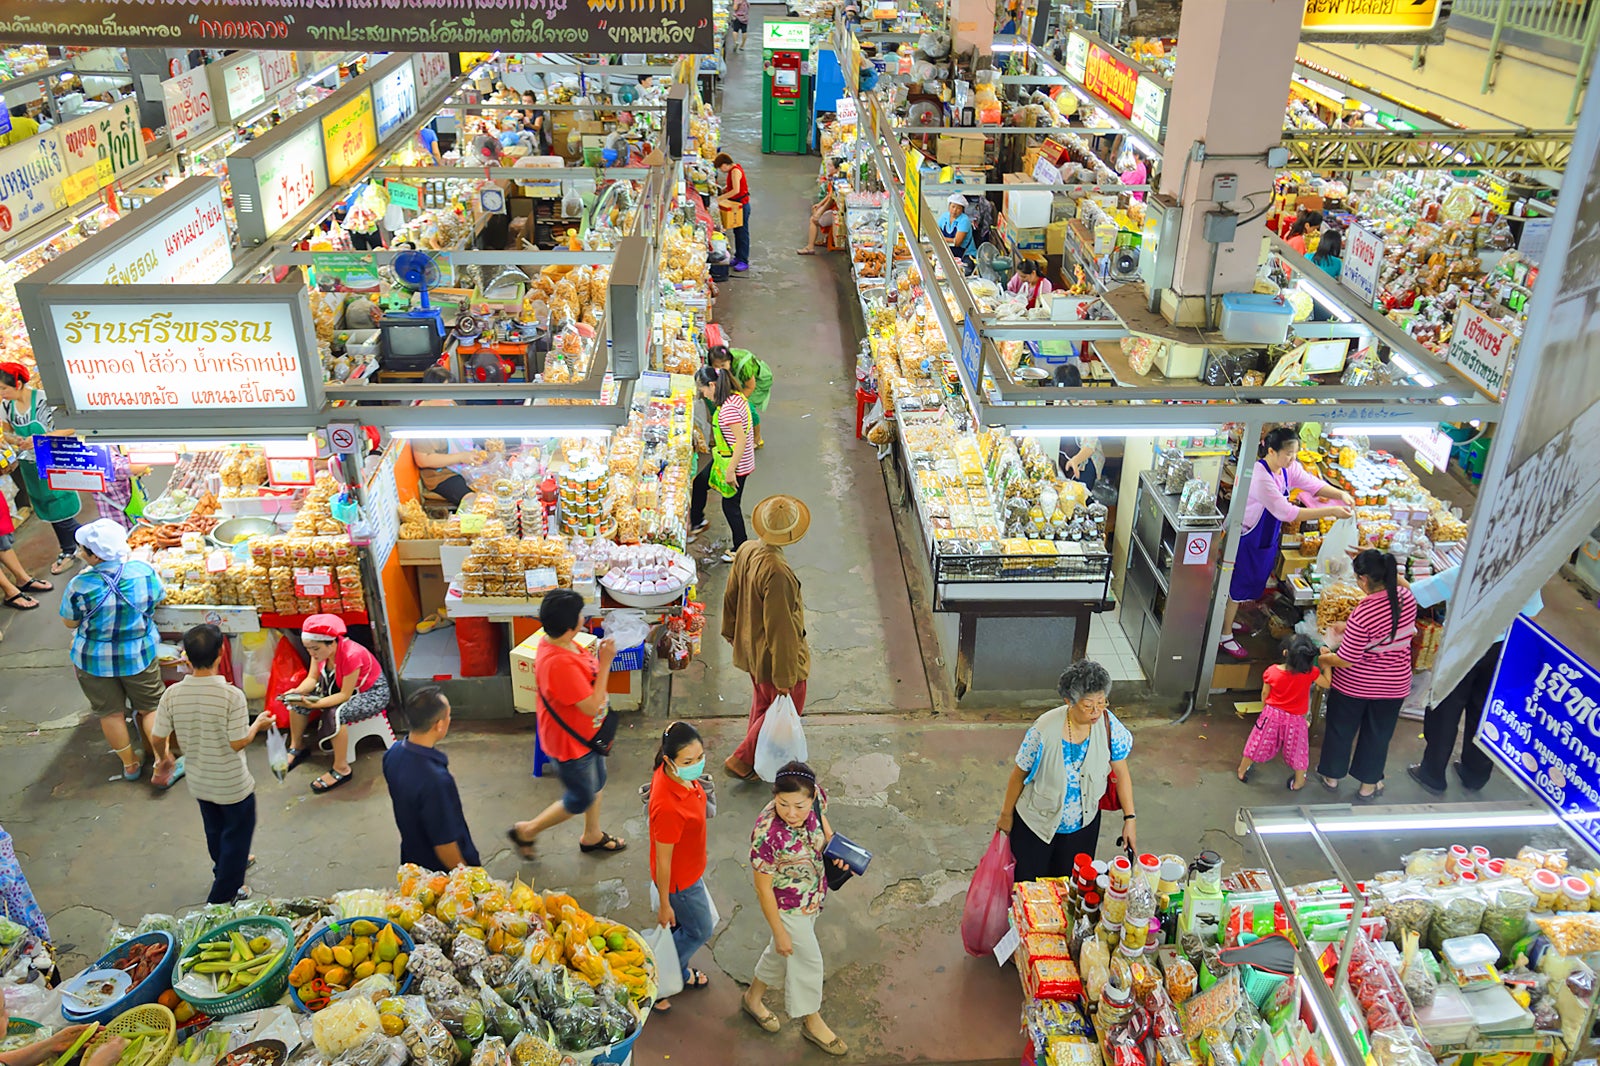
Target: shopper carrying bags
1059,784
700,488
28,415
786,853
733,448
573,725
735,204
677,820
209,716
1371,677
764,619
1284,721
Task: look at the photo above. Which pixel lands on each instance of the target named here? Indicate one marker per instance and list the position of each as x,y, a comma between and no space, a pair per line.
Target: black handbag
603,737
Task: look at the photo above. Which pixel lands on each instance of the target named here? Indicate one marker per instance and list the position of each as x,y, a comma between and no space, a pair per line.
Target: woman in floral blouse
786,852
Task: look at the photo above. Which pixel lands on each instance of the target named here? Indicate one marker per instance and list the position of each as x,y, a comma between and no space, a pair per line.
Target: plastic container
331,933
1120,872
1471,960
1575,894
1480,854
1150,870
1547,887
148,1016
1115,906
147,991
1251,318
1135,935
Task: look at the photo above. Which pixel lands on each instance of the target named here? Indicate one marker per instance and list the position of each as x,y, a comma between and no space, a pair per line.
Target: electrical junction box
1225,188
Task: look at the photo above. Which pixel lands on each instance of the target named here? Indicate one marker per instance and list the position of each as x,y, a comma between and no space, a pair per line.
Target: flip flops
607,843
164,782
524,847
16,604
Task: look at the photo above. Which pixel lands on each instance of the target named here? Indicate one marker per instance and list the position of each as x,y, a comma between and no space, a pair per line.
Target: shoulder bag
604,737
1109,801
723,462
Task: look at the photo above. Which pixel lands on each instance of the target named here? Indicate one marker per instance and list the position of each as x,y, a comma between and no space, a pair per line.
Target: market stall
439,969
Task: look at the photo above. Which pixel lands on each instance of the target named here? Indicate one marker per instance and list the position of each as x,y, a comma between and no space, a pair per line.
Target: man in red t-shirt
572,705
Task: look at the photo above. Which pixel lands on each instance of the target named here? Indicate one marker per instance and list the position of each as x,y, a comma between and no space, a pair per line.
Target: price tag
216,562
1045,172
312,584
845,110
472,523
290,473
541,580
144,555
80,186
104,172
1007,946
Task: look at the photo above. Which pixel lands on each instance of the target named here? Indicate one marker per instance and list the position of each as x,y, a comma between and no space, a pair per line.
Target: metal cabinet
1166,591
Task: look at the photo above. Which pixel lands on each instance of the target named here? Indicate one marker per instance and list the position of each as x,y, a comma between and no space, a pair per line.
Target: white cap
105,539
957,200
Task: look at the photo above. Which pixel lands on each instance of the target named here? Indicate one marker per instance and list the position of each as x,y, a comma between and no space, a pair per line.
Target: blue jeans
741,239
583,778
692,909
229,827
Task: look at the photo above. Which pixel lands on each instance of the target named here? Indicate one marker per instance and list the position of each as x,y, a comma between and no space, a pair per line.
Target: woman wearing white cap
109,607
957,228
345,684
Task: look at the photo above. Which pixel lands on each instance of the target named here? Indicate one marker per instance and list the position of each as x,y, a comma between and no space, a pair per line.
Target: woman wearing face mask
786,851
677,819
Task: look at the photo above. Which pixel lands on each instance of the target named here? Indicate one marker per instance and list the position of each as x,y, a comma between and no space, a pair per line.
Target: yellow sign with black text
1370,16
914,190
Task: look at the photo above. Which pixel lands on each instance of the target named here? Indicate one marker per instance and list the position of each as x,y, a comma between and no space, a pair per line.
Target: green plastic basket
1260,985
19,1026
264,993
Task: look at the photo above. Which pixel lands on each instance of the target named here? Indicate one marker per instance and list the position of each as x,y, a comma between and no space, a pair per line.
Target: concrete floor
920,789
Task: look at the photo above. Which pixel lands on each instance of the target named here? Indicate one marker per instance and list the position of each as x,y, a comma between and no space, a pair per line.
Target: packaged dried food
1460,913
1572,934
1549,858
1181,979
1398,1046
1505,917
1094,966
1426,862
1406,906
1415,976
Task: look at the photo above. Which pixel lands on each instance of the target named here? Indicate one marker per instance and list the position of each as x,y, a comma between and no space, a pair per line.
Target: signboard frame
350,134
1475,359
1329,17
41,301
186,102
1363,262
1101,60
86,264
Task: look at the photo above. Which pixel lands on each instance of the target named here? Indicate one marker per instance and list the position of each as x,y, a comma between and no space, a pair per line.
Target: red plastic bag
984,919
288,670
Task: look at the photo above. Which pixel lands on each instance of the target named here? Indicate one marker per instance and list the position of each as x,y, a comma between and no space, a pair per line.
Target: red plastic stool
864,400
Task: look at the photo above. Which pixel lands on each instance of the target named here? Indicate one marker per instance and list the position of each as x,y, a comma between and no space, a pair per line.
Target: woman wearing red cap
345,685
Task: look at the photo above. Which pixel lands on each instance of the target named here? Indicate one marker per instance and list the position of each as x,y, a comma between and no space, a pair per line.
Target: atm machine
786,87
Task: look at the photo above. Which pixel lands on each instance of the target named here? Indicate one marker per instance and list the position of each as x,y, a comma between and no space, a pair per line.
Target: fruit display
342,953
227,965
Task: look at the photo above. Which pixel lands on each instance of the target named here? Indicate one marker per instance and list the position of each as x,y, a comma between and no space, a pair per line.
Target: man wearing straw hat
764,618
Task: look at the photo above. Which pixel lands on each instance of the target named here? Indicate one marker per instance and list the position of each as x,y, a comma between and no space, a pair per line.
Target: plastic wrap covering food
1460,913
1196,499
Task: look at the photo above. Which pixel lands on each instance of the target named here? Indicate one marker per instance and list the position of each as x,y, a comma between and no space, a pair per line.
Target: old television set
409,344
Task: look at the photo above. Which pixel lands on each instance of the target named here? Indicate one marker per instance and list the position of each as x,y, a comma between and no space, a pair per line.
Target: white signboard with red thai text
108,140
1363,262
291,177
188,103
1481,348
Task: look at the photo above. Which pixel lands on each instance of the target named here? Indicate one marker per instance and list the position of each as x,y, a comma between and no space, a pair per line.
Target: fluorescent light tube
520,432
1114,431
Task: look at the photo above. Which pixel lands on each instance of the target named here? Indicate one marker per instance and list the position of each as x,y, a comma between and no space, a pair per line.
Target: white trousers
800,975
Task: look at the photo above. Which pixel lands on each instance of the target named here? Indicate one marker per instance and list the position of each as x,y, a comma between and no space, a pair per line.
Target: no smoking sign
1197,549
344,437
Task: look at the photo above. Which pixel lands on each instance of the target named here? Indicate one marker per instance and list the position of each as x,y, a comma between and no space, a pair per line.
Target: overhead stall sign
1481,348
433,73
291,178
188,103
1076,56
1110,80
349,135
1370,16
620,26
108,141
31,176
253,78
394,99
179,238
1149,108
1363,262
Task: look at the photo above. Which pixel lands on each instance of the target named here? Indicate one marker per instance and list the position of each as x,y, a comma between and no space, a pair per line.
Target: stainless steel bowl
227,532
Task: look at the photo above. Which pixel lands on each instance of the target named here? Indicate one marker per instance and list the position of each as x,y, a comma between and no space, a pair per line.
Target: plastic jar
1110,934
1120,872
1115,906
1150,870
1115,1005
1480,854
1575,893
1135,935
1547,889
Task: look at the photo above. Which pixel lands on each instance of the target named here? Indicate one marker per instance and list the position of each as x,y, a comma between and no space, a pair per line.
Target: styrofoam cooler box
1255,318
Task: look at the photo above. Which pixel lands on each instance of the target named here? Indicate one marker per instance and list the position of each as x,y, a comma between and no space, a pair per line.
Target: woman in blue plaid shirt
109,608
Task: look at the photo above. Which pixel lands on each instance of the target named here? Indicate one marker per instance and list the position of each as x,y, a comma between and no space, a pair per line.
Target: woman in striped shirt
1371,677
734,426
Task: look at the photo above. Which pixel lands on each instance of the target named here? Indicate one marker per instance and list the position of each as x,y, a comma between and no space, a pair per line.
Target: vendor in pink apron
1266,510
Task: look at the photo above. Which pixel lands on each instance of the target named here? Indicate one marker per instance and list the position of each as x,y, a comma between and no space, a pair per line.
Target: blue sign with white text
1542,725
70,453
972,353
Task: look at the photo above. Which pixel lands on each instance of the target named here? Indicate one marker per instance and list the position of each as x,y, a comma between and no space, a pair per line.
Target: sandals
35,584
1244,778
164,782
768,1021
524,847
319,788
16,604
1289,784
607,843
1323,781
64,562
805,251
697,980
833,1047
296,757
1370,797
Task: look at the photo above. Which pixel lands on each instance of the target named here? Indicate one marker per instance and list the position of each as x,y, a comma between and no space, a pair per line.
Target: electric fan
418,272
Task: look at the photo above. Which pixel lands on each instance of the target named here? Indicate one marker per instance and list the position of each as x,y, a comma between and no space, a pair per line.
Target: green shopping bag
136,500
722,460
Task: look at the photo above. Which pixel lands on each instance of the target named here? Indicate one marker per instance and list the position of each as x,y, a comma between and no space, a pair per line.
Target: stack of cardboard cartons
958,149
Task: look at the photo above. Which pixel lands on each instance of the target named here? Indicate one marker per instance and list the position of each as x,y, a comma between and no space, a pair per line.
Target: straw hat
781,520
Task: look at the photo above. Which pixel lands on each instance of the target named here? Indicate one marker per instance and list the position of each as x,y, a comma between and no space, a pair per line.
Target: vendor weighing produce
1265,512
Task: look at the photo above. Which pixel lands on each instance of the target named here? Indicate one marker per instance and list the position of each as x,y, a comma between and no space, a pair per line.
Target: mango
365,928
260,945
365,970
393,1025
597,942
385,968
399,964
322,954
183,1013
304,971
617,940
337,975
362,951
344,956
387,946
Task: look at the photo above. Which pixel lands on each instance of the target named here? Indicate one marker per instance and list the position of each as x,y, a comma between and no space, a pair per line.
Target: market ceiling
611,26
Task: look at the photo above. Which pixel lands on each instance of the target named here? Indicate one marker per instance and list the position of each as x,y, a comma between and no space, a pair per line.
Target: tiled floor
1109,646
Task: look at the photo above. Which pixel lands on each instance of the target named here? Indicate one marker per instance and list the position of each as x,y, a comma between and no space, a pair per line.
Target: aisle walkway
799,313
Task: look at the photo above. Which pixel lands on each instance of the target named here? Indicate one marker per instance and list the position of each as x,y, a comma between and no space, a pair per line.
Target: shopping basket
266,991
147,991
129,1022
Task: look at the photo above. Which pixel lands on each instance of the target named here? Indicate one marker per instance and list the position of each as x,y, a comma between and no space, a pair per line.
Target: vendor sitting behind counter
437,463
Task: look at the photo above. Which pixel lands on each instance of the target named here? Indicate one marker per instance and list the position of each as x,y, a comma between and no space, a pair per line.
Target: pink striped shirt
1267,493
1380,666
734,413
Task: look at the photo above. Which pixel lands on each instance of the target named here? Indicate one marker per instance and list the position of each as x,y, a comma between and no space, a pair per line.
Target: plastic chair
376,726
539,757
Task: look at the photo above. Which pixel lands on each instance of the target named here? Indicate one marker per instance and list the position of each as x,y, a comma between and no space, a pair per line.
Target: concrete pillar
972,25
1228,94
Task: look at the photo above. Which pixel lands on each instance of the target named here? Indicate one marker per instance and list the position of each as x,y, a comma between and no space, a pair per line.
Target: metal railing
1573,21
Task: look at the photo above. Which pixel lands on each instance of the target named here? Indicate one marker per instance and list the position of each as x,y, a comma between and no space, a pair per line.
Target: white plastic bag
669,971
277,754
627,629
1333,558
782,739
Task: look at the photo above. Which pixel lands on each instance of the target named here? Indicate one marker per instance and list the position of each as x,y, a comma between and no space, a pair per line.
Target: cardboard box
1176,360
1291,561
1055,238
418,552
1025,238
524,689
1237,677
955,149
1027,210
431,588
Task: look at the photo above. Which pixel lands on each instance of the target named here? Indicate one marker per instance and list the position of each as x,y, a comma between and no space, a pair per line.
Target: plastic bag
782,738
669,970
277,753
1333,558
1505,919
627,629
1460,913
986,914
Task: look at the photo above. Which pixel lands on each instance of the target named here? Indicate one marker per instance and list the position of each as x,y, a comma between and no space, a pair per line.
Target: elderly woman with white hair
1068,758
110,608
956,227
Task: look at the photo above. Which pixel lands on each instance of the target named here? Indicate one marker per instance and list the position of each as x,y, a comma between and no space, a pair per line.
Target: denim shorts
583,778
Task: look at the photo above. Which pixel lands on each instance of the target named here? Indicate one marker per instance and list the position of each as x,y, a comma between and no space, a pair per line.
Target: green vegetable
77,1045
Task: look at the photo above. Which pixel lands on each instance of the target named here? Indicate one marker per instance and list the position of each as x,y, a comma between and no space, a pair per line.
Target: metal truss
1429,149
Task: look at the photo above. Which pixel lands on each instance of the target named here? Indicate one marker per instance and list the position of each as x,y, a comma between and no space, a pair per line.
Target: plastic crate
629,659
147,991
149,1016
